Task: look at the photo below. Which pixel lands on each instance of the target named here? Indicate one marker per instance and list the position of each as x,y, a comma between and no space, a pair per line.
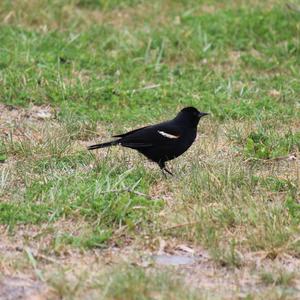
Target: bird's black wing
161,134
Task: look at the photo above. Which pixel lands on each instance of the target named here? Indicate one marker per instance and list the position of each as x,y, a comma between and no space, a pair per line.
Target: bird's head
190,115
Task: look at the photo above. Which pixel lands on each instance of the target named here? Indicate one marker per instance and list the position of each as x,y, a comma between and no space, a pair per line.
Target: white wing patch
168,135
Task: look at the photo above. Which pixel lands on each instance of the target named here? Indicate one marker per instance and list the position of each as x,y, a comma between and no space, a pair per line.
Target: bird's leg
168,171
163,168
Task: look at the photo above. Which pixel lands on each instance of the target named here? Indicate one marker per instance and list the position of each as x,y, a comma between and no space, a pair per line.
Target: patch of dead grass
67,12
24,288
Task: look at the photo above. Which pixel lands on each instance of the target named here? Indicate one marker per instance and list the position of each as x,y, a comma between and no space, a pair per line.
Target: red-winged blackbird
163,141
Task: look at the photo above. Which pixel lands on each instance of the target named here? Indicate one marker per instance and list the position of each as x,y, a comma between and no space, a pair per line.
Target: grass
129,282
103,67
78,71
285,279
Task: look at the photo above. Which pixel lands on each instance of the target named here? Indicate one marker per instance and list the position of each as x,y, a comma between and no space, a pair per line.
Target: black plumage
163,141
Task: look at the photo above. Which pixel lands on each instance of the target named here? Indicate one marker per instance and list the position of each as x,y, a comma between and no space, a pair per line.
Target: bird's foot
164,169
168,171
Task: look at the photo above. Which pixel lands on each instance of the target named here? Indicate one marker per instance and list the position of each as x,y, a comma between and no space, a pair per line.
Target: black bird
163,141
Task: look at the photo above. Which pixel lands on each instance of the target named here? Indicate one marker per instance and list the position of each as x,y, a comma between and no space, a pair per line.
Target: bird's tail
108,144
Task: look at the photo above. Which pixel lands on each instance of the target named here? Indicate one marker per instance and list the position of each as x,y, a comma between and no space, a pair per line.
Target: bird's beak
202,114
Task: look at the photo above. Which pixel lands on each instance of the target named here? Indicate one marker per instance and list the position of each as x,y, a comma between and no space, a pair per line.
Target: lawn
76,224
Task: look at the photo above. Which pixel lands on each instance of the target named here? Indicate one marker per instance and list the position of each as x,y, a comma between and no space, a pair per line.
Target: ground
107,224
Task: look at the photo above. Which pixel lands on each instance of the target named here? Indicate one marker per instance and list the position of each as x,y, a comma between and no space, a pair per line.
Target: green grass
104,197
105,67
229,198
100,71
265,146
